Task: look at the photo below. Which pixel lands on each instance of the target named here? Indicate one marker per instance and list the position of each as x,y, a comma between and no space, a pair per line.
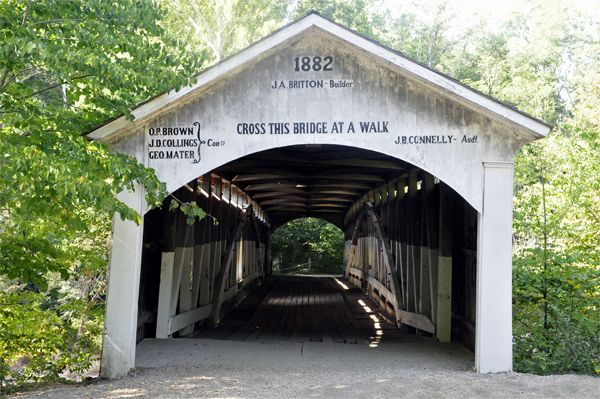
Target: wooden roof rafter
311,181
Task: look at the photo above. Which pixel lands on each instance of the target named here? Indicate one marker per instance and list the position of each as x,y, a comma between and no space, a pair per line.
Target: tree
65,67
432,33
556,257
364,16
296,241
224,26
557,228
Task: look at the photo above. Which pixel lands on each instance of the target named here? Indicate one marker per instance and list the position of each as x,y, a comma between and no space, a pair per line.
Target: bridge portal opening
408,245
308,246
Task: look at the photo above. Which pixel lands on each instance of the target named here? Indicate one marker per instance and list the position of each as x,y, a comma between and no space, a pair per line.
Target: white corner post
120,322
493,330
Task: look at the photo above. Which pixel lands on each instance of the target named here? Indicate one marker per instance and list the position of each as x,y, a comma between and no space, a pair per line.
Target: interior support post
187,280
204,257
493,330
268,265
175,264
224,271
120,322
355,237
444,292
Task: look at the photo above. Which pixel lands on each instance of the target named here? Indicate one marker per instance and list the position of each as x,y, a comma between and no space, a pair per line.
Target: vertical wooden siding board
164,295
199,233
444,299
432,294
174,237
185,293
205,291
414,239
401,233
220,280
215,242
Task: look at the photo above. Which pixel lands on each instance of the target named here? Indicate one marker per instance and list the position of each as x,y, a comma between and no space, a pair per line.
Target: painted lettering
374,127
444,139
310,127
337,127
312,84
280,85
340,84
279,128
251,128
316,64
469,140
173,143
303,84
171,131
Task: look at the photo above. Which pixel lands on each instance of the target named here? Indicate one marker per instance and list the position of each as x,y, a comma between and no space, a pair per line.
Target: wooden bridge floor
303,309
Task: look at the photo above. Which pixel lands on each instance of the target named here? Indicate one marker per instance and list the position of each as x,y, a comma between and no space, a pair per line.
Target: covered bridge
317,120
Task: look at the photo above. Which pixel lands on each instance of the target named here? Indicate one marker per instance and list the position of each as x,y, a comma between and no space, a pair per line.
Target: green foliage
190,209
65,67
296,241
556,257
364,16
224,27
525,60
423,31
557,312
36,344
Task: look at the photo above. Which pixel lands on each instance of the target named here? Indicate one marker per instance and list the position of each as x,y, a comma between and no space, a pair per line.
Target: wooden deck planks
302,309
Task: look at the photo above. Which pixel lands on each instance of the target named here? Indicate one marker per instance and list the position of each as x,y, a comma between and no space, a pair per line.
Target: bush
36,344
557,314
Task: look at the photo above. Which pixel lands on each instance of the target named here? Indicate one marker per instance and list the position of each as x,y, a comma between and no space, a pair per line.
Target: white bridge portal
316,120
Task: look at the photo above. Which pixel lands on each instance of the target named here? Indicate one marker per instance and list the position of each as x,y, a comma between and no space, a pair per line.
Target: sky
492,6
497,8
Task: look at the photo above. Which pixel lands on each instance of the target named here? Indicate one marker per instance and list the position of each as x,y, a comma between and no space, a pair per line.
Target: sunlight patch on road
344,286
127,393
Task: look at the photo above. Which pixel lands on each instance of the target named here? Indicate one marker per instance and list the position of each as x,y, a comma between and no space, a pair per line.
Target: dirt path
282,345
186,368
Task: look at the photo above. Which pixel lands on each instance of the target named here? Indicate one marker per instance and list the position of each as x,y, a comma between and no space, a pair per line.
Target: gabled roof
417,71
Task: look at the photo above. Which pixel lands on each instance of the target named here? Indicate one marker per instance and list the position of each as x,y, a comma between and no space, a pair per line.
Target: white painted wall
493,329
120,322
406,106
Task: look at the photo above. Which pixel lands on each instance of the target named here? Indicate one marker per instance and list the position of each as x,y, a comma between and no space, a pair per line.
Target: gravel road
206,368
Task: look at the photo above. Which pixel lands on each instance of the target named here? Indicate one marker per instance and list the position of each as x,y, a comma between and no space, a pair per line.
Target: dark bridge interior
321,181
308,309
410,244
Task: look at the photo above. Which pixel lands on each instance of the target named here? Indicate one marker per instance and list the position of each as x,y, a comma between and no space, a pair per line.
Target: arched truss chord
390,287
